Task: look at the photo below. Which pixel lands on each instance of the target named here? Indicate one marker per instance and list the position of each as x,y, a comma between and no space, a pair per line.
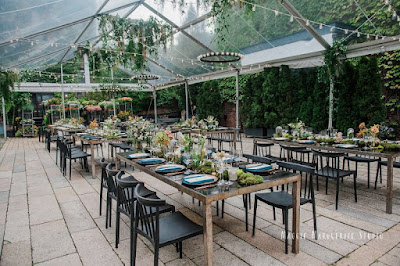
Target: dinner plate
347,146
280,138
305,141
150,161
258,167
169,168
210,180
138,155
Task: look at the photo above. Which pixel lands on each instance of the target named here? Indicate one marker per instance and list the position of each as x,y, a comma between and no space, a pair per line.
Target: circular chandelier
220,57
146,77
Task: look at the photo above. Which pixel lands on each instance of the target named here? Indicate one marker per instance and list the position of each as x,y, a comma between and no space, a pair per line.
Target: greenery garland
127,41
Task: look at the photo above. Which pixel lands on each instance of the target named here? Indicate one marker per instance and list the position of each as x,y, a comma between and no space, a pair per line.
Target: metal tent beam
177,27
45,55
87,26
33,35
165,68
299,17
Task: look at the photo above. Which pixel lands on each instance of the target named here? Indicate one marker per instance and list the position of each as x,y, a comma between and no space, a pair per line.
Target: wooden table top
215,193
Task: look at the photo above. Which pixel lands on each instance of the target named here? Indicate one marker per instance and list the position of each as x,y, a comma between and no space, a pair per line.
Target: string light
254,8
276,12
291,18
320,26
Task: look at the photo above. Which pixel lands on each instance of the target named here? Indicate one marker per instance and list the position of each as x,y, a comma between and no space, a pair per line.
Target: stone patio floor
46,219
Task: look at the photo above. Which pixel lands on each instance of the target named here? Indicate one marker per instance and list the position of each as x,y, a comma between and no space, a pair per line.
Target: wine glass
220,170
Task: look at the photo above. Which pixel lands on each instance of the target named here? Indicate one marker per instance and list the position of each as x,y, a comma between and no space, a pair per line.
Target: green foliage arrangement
209,100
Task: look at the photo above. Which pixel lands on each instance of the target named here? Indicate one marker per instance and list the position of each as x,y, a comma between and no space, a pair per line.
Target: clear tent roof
36,34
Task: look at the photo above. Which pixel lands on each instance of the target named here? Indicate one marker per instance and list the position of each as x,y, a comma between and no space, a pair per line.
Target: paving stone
221,258
4,197
81,186
17,253
44,209
244,251
91,202
18,189
65,194
76,216
109,233
68,260
50,240
390,260
94,249
18,168
40,190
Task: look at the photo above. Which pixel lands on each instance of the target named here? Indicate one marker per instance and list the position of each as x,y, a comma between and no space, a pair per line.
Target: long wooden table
233,131
390,156
207,196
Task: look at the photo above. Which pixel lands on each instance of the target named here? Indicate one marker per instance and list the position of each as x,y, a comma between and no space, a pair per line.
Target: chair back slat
259,159
146,217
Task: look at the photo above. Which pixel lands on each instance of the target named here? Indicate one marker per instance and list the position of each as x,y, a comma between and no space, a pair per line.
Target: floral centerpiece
140,134
52,101
162,140
106,105
92,108
212,123
297,128
123,115
93,124
125,99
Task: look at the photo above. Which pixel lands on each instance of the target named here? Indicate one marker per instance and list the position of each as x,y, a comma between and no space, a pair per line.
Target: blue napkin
259,168
169,168
150,160
205,180
347,146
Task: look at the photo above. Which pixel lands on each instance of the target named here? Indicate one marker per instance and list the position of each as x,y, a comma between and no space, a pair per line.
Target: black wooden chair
284,200
126,201
379,169
67,152
360,159
328,166
103,180
170,229
49,139
112,190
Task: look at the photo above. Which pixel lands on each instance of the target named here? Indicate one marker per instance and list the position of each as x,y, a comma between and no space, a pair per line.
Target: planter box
259,132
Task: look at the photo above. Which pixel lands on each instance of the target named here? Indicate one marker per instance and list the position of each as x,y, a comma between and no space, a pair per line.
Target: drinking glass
221,169
232,175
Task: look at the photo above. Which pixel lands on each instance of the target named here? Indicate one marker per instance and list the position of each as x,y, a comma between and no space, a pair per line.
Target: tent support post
4,117
62,90
112,82
86,68
330,123
237,99
155,105
187,99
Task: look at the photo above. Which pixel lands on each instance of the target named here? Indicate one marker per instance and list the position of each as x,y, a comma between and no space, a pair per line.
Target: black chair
170,229
360,159
296,154
112,190
379,169
69,153
284,200
328,166
103,180
262,148
126,200
49,139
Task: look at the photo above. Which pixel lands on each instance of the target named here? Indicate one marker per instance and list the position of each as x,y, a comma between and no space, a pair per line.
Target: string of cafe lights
321,25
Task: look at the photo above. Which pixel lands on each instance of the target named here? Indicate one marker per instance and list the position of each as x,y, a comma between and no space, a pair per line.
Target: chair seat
279,199
125,146
395,164
177,227
333,173
78,155
263,144
360,159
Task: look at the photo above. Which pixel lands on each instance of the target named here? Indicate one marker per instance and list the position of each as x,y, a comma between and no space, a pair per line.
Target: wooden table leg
117,163
389,186
92,160
208,235
296,216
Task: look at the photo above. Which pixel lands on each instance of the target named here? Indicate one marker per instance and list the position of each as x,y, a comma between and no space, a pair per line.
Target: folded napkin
259,167
150,160
138,155
198,179
169,168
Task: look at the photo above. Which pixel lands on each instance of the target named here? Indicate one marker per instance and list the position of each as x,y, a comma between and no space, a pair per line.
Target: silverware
207,186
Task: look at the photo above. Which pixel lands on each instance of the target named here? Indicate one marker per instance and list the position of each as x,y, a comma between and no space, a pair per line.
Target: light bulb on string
320,26
358,33
253,8
368,36
291,18
276,12
307,22
346,31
